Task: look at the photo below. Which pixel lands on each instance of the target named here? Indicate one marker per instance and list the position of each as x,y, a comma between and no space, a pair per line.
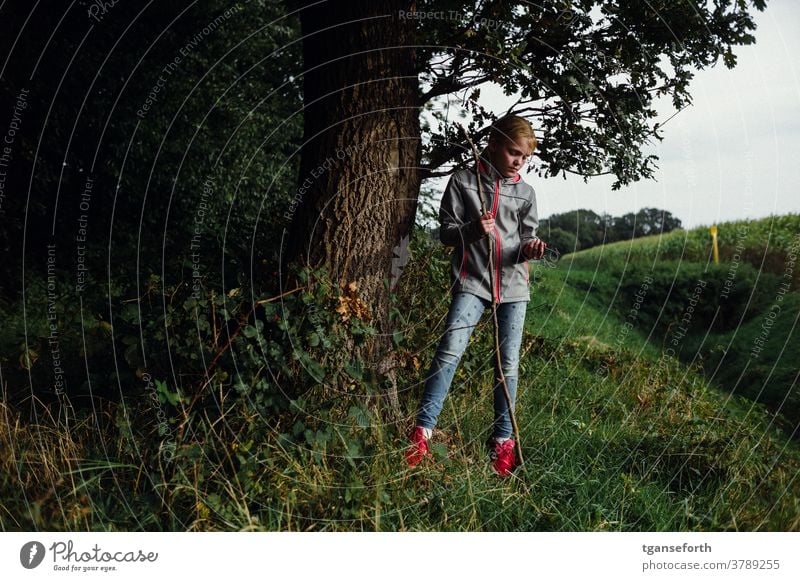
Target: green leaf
316,371
360,415
166,396
355,369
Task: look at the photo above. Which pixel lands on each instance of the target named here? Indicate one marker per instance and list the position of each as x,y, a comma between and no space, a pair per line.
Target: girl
511,221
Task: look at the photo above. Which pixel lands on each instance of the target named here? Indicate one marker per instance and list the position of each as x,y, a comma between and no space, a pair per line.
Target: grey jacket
513,205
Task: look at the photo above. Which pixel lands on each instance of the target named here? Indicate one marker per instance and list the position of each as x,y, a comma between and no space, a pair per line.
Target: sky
733,154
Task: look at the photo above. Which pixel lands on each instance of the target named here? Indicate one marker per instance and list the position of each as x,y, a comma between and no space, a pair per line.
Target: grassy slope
758,258
615,437
766,241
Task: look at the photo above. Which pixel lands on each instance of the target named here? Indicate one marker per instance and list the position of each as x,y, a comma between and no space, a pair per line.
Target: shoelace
418,437
505,452
507,445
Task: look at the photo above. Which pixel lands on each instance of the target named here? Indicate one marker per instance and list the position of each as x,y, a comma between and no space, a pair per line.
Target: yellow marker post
715,248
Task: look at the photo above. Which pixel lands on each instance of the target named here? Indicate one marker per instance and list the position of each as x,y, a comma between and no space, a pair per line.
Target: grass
617,436
760,241
744,328
637,446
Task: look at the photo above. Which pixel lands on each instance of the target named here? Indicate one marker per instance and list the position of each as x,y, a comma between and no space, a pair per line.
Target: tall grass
617,436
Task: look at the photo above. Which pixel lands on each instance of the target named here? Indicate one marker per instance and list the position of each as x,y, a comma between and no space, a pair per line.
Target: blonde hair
513,128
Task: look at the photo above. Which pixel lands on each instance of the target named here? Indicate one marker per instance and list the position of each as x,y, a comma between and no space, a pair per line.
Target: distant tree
654,221
586,226
625,226
609,231
645,222
562,240
590,229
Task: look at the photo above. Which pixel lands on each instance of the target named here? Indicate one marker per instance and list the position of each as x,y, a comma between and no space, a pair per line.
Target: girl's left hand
534,249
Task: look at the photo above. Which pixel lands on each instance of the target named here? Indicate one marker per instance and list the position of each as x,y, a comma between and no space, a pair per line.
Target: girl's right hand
485,224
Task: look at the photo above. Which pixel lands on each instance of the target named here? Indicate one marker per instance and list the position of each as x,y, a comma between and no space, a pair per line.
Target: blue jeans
465,312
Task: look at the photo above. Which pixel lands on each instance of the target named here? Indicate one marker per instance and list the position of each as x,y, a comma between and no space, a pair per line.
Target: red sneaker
502,456
418,447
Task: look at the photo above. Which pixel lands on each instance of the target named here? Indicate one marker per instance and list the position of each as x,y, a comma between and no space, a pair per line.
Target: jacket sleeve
529,222
456,229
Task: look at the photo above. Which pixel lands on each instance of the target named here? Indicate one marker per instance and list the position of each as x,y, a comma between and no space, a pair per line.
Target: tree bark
359,179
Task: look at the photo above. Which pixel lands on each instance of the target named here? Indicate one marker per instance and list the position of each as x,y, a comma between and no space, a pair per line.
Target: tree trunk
359,180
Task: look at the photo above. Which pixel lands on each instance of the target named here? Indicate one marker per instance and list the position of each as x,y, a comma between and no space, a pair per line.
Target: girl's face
508,156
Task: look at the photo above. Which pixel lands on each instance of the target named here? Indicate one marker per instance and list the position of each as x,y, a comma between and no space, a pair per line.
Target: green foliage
563,240
584,229
758,359
669,293
184,120
588,72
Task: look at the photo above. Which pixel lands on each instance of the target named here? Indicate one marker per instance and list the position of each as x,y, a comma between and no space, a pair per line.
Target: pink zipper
498,243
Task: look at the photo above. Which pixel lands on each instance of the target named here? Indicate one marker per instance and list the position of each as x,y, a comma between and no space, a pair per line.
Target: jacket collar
489,170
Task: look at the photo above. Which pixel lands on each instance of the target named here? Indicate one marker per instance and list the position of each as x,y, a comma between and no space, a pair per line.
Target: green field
742,329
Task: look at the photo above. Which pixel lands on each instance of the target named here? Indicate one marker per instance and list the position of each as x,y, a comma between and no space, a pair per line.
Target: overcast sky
733,154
